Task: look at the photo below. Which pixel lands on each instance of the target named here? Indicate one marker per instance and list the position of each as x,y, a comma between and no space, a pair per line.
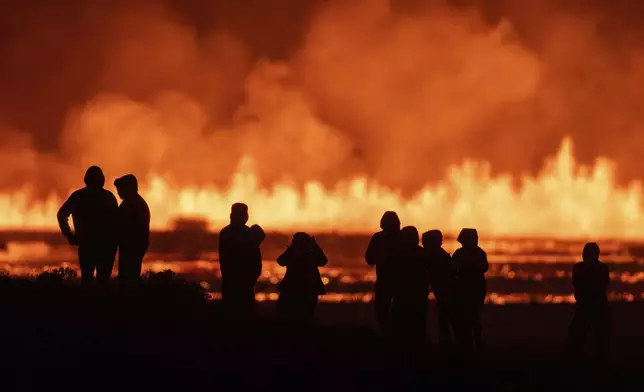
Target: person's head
390,221
301,240
468,238
591,252
94,177
410,235
127,186
258,233
433,239
239,214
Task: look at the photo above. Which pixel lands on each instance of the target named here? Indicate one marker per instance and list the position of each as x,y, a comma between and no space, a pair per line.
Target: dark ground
57,336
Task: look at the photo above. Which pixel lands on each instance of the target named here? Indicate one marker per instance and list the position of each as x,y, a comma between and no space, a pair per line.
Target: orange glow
564,200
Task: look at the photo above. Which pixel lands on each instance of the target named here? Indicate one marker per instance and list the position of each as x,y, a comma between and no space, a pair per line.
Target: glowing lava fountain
563,200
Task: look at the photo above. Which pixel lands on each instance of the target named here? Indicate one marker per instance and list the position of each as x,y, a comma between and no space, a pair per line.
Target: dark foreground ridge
166,335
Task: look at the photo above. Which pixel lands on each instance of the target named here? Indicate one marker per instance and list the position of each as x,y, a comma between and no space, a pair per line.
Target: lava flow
564,200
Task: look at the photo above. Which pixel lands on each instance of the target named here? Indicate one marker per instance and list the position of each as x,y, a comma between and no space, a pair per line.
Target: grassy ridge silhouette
166,334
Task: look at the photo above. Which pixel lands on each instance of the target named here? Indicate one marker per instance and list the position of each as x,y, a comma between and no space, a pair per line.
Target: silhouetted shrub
175,287
167,277
57,275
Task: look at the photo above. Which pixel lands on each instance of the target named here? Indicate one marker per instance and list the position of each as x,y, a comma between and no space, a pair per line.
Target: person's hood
468,238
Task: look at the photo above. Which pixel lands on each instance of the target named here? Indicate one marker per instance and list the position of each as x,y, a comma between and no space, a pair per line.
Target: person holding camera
302,283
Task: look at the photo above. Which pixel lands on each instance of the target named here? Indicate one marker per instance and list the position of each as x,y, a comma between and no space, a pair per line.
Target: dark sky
230,62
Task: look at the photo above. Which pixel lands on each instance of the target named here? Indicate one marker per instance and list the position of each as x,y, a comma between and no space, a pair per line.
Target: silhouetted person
133,228
442,278
93,210
258,235
240,260
471,264
409,311
384,252
302,283
590,279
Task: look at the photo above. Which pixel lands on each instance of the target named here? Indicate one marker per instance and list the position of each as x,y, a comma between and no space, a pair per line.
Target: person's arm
113,216
223,250
576,283
429,265
575,278
147,218
456,263
139,236
606,278
373,254
140,213
257,265
450,269
484,264
63,219
318,254
285,258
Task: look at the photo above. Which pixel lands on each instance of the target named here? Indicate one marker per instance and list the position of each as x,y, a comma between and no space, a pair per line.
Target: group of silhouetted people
102,227
240,260
406,271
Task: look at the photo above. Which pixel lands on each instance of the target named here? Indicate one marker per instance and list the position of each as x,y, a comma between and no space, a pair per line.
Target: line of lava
564,200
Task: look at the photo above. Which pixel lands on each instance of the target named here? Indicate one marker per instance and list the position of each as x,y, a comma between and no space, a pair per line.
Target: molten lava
564,200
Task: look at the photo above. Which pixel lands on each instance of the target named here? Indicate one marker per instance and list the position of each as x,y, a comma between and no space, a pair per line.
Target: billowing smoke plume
325,90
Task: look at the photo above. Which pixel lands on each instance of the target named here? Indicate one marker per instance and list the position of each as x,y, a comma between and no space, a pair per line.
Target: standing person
471,265
383,252
442,278
93,210
409,310
302,283
590,280
133,225
240,260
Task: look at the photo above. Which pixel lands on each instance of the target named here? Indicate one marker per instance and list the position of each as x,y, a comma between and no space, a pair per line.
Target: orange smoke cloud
406,91
418,86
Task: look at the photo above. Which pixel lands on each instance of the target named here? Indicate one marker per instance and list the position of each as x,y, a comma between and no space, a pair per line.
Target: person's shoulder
141,201
578,266
444,253
377,236
229,231
107,194
75,198
78,193
128,205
